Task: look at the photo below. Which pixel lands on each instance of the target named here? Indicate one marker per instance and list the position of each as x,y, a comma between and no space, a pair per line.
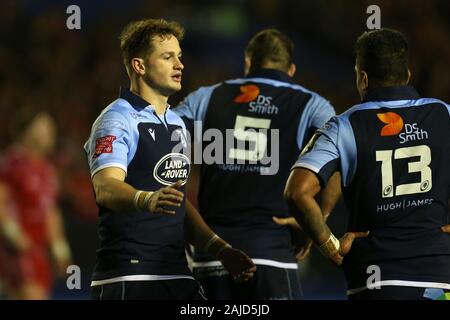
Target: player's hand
238,264
300,239
345,245
166,200
301,252
288,221
446,228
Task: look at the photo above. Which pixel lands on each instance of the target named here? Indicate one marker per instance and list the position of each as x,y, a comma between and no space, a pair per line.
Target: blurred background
74,74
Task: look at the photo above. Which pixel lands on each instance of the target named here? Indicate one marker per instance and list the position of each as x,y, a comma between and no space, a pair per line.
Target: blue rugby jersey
129,135
393,151
238,200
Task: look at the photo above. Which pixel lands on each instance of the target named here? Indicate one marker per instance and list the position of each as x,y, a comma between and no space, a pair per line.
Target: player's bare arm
197,232
329,196
112,192
301,189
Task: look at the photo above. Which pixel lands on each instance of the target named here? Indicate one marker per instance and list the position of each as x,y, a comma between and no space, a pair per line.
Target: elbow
294,195
301,186
100,196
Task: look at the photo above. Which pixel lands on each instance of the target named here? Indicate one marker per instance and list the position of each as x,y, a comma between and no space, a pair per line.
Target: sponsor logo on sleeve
104,145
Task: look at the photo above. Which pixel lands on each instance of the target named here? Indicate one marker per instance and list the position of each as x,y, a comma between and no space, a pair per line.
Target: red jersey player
30,221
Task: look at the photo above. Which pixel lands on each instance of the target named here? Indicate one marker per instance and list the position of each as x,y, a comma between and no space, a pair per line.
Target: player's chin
175,86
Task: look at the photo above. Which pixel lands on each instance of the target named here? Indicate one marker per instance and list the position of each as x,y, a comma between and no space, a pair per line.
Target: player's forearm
199,234
115,195
301,189
329,196
196,230
307,211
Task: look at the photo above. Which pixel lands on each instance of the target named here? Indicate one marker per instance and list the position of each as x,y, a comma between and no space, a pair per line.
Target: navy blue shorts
267,283
176,289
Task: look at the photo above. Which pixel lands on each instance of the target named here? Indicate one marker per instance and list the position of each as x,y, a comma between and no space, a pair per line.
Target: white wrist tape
210,242
136,200
332,245
146,201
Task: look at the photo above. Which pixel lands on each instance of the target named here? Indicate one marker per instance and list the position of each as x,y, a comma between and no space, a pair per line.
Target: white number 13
422,166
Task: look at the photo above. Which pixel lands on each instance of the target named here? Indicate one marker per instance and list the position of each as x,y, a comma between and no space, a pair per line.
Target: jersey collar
271,74
391,93
133,99
136,101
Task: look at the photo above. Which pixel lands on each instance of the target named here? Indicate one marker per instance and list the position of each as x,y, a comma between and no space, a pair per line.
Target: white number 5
259,139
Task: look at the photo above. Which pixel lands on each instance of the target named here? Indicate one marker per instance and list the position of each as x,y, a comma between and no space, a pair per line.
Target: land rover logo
171,168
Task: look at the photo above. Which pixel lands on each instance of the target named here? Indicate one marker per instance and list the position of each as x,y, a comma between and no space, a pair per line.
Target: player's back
243,184
398,188
265,120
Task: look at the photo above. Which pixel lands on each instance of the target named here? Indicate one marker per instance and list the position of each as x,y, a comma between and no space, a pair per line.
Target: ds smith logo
263,104
394,126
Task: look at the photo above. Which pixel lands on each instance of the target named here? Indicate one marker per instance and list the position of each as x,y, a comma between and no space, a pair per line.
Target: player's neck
155,98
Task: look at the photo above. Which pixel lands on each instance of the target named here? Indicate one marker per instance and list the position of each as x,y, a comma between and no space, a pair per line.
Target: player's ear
364,79
137,64
409,76
291,70
247,64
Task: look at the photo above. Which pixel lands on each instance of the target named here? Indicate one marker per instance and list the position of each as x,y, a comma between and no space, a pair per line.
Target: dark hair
270,45
135,38
383,54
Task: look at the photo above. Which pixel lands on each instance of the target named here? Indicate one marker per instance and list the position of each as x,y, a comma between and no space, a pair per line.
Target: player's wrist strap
136,200
331,246
210,242
145,203
213,240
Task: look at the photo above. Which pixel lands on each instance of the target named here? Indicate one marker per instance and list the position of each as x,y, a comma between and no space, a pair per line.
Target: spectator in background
30,220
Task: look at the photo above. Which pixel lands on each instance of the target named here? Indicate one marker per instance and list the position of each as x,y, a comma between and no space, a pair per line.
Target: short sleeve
316,113
321,154
109,142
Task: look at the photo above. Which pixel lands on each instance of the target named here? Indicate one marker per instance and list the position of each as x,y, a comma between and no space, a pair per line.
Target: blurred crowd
74,74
